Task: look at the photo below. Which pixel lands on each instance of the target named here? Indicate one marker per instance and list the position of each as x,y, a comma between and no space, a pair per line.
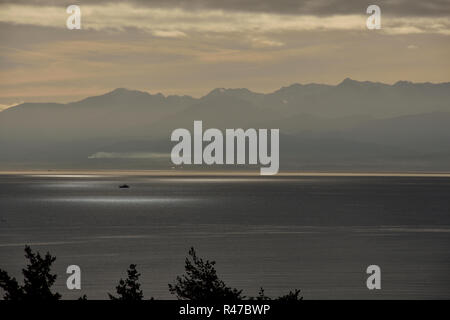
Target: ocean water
315,233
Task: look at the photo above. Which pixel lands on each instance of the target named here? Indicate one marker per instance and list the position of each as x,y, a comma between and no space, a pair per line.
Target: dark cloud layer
310,7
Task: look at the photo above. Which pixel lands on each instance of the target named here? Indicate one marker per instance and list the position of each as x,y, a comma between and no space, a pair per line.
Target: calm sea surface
318,234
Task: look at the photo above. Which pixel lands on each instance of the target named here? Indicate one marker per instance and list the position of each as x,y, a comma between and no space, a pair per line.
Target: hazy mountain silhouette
368,124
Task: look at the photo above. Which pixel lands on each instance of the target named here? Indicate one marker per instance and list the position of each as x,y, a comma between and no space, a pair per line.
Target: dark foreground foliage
37,279
129,289
202,283
199,283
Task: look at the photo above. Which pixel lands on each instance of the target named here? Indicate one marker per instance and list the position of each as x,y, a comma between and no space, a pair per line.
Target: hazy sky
191,47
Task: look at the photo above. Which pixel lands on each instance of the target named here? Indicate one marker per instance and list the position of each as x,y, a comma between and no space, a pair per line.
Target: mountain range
352,126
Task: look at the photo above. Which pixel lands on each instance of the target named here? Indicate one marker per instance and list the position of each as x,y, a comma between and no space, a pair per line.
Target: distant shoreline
255,173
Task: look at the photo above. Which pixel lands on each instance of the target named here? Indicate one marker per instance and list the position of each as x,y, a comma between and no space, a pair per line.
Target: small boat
124,186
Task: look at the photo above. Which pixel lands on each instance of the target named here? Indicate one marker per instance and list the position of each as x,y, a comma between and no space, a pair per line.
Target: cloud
399,8
178,22
265,43
168,34
160,46
129,155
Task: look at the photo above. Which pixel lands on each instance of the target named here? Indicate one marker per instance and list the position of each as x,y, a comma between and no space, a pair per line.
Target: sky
191,47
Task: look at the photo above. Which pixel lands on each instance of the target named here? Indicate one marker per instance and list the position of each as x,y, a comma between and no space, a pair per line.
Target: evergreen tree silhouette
129,289
261,296
292,296
11,287
38,279
201,282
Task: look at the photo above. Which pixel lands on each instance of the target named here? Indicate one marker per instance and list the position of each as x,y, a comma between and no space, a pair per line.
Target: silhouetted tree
291,296
37,279
201,282
11,287
129,289
261,296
